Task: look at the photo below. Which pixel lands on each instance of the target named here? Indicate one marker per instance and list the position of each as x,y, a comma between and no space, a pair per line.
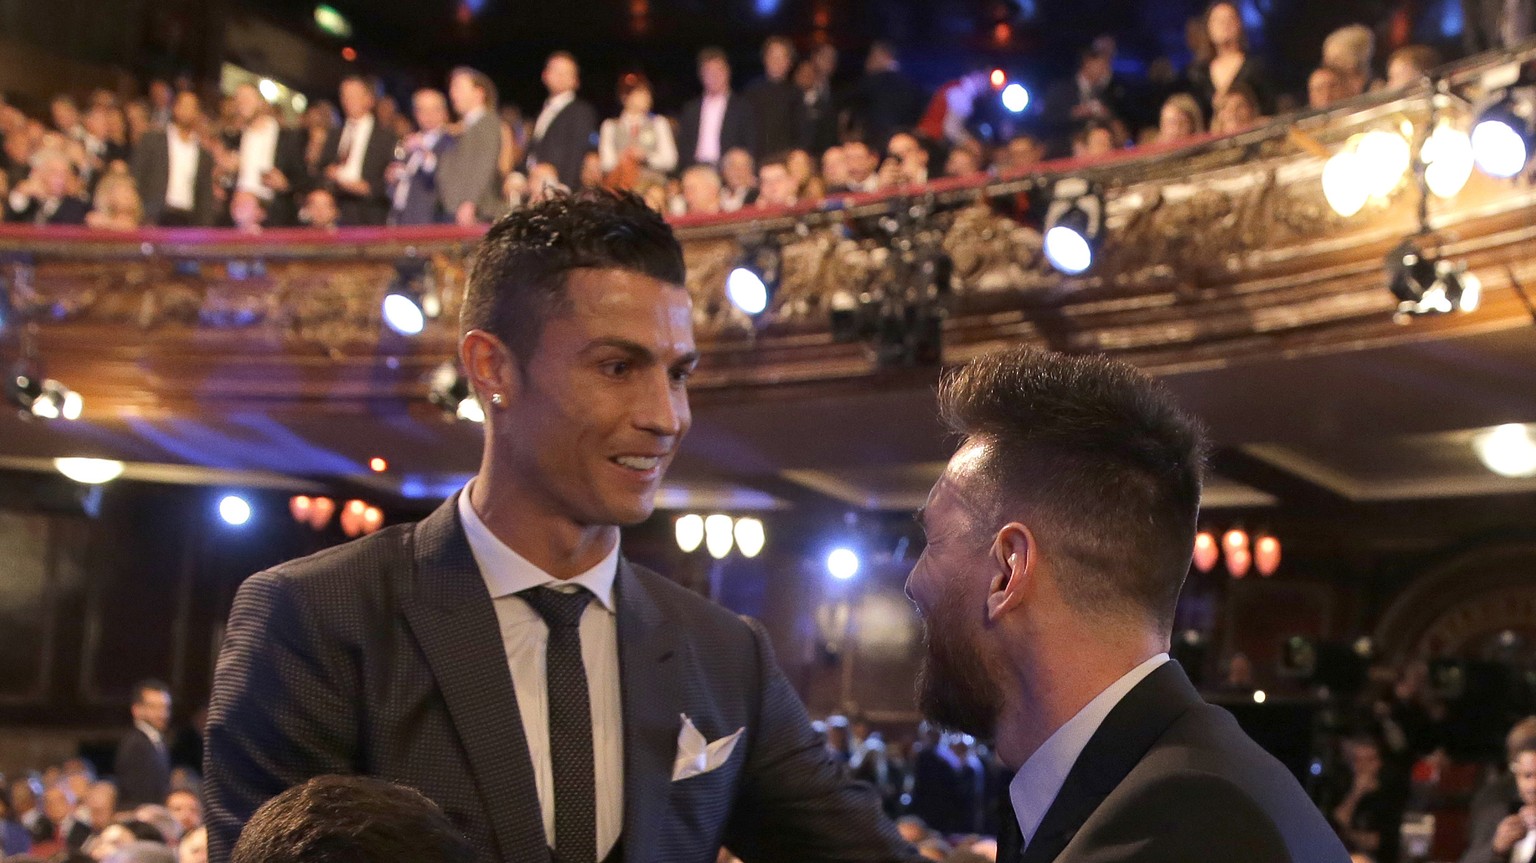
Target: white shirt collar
150,731
557,103
506,572
1035,786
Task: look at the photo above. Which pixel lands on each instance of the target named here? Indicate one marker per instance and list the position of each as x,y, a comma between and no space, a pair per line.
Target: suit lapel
450,612
651,690
1121,742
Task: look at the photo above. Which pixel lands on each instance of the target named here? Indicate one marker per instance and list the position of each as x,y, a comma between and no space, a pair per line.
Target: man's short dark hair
713,53
481,82
150,685
1103,462
350,819
518,274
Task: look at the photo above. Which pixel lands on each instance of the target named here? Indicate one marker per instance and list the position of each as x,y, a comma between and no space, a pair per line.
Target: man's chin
951,707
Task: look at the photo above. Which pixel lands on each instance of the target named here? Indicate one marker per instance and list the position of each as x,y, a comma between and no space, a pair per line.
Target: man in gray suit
468,181
1059,536
502,657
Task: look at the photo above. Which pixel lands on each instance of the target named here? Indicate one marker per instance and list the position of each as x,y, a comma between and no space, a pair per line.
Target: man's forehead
958,490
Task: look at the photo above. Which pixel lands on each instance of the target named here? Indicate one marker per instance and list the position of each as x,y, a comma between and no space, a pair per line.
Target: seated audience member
247,212
1410,64
193,847
654,194
638,139
1021,151
161,819
738,171
1094,139
354,819
142,852
115,837
1368,813
117,206
775,186
15,838
47,195
802,169
1348,51
66,117
701,190
862,167
962,162
320,210
1180,119
1325,87
1237,111
186,808
906,162
834,170
1505,796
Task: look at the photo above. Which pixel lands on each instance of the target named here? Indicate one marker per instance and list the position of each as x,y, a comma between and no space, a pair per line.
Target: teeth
635,462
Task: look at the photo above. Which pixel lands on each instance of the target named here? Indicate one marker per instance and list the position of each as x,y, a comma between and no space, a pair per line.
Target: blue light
235,510
1068,250
403,315
747,291
766,8
1316,769
843,563
1451,21
1498,148
1015,98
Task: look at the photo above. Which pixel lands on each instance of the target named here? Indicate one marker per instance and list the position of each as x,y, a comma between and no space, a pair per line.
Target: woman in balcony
1225,62
117,204
1180,119
636,147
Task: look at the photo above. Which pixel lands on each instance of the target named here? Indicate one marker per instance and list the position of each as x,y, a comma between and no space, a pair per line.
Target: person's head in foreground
1059,535
350,819
578,338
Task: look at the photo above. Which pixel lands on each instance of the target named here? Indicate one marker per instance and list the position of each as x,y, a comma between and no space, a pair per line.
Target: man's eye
617,368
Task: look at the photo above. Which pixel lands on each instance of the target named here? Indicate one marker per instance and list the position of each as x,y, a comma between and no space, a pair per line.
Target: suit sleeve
796,802
284,708
1488,808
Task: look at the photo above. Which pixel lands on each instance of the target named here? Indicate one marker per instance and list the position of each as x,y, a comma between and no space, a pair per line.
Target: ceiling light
718,535
1344,185
1015,98
90,471
268,89
1508,450
39,396
1074,224
1447,158
235,510
842,563
690,532
1425,285
750,536
1383,158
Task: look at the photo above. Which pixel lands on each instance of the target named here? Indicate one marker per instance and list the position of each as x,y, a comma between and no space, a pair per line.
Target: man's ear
491,368
1013,564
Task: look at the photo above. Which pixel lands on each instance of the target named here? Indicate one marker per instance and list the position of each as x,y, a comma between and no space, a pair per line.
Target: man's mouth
641,463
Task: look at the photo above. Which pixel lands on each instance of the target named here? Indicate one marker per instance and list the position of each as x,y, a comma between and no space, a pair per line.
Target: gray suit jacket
468,171
1170,779
384,657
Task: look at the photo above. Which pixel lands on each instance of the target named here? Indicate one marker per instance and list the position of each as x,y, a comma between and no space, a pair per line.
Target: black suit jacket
288,158
1170,779
143,772
152,172
371,208
738,129
1495,801
570,136
384,657
421,196
71,211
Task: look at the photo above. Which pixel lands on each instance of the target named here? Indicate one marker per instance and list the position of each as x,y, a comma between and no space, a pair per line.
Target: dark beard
953,688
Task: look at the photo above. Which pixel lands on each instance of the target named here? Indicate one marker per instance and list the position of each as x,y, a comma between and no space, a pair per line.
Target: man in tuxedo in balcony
1059,536
174,170
267,162
718,120
502,657
357,155
142,768
566,128
415,181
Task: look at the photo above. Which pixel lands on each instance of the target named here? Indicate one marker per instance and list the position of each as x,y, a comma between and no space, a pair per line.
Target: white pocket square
696,756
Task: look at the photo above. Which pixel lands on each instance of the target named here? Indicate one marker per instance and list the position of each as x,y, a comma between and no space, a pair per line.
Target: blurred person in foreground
1502,809
542,690
1059,536
351,819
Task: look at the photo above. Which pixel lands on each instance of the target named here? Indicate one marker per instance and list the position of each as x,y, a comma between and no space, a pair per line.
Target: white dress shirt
1524,850
258,152
354,140
711,122
524,636
181,180
552,108
1035,786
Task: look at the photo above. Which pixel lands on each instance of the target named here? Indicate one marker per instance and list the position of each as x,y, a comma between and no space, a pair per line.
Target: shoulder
339,578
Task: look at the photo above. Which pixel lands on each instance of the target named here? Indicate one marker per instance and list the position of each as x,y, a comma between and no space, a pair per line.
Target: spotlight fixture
235,510
1447,159
411,300
449,389
754,280
1508,450
1502,136
1074,225
842,563
34,395
1015,98
750,536
1369,165
1426,285
89,471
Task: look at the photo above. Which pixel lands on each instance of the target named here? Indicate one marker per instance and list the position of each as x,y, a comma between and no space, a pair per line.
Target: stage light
998,78
1501,138
1425,285
718,535
1447,158
449,389
1382,158
1074,224
1206,552
332,21
378,465
1015,98
89,471
1266,555
747,291
403,313
752,283
842,563
44,398
690,532
235,510
300,102
268,89
349,54
1508,450
1344,185
750,536
1259,697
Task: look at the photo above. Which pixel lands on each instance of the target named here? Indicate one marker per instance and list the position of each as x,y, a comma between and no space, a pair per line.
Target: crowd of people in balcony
461,156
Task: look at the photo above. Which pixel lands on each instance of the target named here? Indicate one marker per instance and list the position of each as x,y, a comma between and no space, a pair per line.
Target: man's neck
553,543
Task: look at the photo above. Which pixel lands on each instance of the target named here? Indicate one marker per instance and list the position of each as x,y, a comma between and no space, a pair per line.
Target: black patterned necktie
570,723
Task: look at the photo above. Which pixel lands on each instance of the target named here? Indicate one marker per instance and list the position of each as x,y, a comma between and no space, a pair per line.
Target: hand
353,187
275,180
394,172
1510,831
331,171
465,215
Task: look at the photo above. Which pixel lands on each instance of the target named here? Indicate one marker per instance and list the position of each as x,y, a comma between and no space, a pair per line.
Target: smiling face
597,413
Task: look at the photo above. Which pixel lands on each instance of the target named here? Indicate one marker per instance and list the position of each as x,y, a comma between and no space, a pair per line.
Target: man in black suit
1059,536
174,171
775,99
1495,822
45,196
267,160
566,128
414,199
718,120
357,155
142,767
501,656
1092,94
886,100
